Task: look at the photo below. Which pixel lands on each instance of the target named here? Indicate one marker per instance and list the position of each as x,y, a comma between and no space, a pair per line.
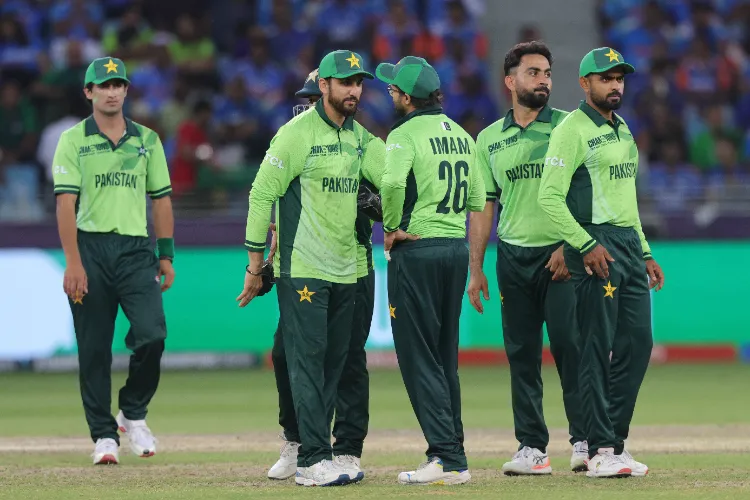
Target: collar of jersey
348,121
433,110
545,115
597,118
91,128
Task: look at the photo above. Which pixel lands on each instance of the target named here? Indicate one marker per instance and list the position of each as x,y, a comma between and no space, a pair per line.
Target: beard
605,103
400,110
533,99
340,105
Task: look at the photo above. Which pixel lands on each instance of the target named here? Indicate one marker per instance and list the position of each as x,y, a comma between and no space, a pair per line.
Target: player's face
399,100
109,97
343,94
532,81
606,89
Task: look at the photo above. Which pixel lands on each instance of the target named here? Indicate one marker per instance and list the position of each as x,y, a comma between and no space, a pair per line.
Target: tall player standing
531,272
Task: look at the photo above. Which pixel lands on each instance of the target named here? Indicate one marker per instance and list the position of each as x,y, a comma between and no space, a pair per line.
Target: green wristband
165,247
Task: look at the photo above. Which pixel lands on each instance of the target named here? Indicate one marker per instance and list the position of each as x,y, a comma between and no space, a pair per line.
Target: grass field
218,435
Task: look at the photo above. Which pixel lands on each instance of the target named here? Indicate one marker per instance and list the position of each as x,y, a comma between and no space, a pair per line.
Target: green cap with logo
342,64
413,75
603,59
104,69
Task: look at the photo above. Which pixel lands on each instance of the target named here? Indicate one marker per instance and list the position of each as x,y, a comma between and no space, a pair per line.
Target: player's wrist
165,248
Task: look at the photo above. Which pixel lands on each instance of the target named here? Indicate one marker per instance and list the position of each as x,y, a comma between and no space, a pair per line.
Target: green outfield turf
218,431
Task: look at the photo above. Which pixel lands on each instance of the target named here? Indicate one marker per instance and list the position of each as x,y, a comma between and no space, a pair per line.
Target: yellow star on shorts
111,67
609,290
78,299
353,61
305,294
612,56
392,311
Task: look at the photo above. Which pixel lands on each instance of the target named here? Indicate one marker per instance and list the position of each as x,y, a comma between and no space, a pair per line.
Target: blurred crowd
689,101
215,79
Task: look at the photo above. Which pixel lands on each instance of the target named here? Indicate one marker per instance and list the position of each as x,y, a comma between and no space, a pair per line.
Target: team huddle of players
571,254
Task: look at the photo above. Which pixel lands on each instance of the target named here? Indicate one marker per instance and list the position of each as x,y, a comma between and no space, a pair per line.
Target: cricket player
532,276
352,398
588,191
313,169
430,182
103,168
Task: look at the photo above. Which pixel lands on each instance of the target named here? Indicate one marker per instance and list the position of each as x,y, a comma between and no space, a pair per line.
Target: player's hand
477,283
166,270
75,281
390,239
557,267
655,275
253,284
596,261
274,238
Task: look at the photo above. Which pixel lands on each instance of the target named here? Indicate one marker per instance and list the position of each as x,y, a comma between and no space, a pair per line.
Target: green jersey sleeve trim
255,247
160,193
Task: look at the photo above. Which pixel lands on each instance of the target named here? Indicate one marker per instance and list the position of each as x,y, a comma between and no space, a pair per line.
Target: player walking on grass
353,394
588,191
429,183
531,272
103,169
313,169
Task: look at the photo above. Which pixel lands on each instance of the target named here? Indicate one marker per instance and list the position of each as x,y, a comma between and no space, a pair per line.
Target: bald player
588,190
103,169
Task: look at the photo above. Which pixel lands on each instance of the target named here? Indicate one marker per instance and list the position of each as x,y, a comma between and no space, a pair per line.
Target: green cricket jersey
363,226
313,168
511,159
111,180
430,176
591,166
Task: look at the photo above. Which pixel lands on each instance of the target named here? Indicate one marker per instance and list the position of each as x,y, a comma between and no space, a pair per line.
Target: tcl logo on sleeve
391,147
274,161
59,170
554,161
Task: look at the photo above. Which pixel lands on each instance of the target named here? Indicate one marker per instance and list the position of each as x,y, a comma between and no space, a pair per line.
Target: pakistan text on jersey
115,179
525,171
450,145
500,145
340,184
623,171
602,139
324,150
93,149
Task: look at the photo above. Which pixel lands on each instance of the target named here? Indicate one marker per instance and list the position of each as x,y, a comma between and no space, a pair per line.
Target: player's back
442,180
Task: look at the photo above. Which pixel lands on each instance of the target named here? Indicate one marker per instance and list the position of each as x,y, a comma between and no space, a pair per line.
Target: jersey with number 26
430,177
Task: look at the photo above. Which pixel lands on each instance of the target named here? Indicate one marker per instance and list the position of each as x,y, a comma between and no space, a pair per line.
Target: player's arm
66,176
480,227
655,274
373,161
478,185
564,156
159,189
399,159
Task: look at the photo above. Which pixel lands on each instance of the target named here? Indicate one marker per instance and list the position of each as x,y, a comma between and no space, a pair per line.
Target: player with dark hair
353,394
103,169
313,169
531,272
588,190
430,182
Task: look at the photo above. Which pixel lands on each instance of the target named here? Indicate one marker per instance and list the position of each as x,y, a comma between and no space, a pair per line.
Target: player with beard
532,277
588,191
429,184
313,168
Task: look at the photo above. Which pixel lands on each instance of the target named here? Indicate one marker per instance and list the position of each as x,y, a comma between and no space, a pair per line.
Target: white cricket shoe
580,457
324,473
637,469
351,464
606,464
286,466
431,472
527,462
106,452
142,442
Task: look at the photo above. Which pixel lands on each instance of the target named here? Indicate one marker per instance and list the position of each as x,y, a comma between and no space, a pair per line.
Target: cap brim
99,81
353,73
385,72
626,68
307,93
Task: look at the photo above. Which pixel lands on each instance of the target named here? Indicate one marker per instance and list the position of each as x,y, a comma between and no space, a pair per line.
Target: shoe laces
426,464
140,432
105,445
581,447
288,448
348,461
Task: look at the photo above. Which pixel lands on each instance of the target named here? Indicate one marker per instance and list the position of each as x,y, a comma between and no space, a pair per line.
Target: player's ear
509,82
323,85
584,83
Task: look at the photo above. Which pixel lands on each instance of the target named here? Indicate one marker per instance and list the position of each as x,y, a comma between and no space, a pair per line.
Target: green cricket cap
413,75
603,59
342,64
104,69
